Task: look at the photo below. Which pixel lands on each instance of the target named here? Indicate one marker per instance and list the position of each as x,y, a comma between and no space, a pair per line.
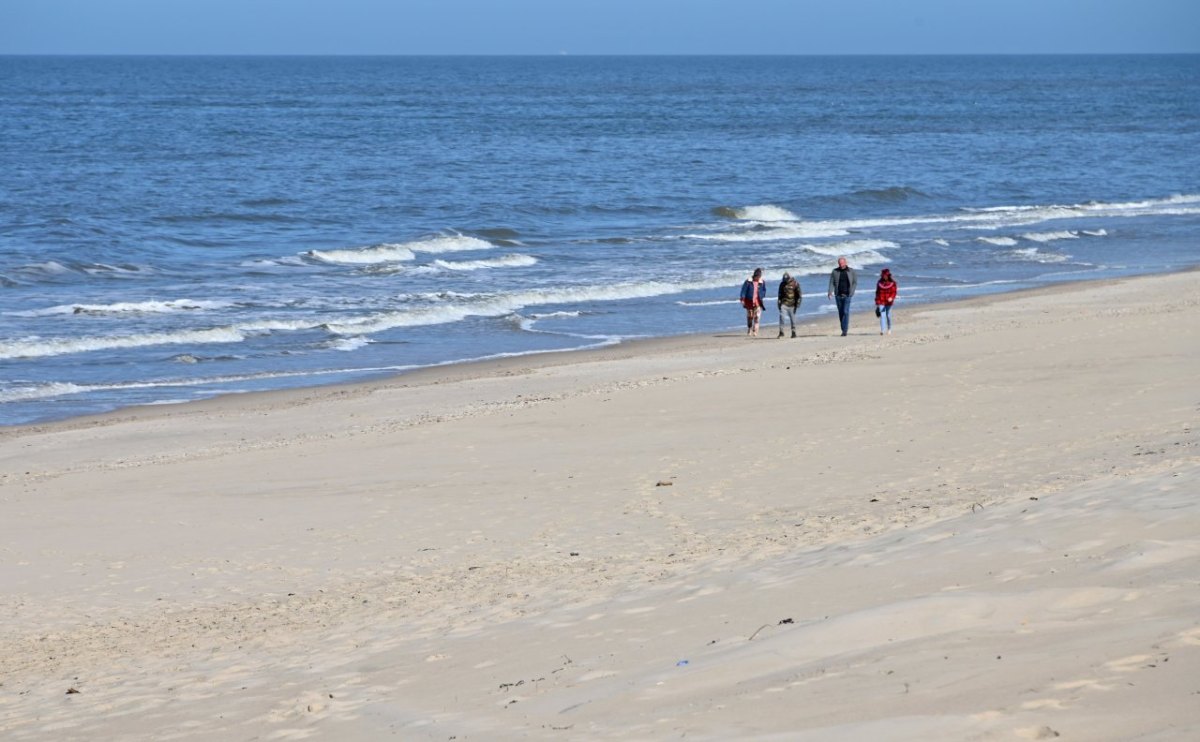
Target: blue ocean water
173,228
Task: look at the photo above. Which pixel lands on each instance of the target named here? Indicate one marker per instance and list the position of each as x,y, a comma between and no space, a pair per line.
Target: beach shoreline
982,526
809,327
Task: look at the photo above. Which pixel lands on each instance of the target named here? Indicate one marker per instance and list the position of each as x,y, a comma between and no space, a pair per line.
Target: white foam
49,266
1050,236
100,268
713,303
401,252
1032,254
507,261
41,391
348,344
451,243
1095,232
765,213
364,255
998,241
39,347
798,231
1000,217
850,247
139,307
499,305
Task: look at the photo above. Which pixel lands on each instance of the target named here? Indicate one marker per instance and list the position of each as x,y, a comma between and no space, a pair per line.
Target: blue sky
598,26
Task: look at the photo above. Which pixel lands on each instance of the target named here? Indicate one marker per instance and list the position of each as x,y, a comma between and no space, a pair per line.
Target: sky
599,26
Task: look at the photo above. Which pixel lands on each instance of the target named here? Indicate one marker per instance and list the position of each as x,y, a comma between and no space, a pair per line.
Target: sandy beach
985,526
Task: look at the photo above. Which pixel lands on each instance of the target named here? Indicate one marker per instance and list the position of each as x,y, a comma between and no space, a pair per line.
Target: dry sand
985,526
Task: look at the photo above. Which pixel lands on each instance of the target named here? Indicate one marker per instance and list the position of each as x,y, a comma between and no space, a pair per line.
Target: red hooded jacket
885,290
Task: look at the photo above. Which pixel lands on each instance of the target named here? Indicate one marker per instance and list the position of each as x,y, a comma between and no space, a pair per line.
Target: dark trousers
843,304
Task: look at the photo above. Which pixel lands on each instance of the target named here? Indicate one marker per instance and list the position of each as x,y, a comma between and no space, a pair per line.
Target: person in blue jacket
754,293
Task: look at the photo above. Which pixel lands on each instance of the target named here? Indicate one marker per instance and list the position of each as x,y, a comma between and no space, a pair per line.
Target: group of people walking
843,282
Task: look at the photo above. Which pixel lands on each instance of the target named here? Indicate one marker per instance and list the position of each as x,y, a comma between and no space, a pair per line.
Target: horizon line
603,54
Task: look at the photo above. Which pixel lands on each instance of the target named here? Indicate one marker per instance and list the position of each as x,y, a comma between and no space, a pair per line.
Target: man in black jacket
842,283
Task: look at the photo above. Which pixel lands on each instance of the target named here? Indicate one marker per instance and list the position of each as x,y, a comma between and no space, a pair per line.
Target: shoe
780,334
793,334
843,334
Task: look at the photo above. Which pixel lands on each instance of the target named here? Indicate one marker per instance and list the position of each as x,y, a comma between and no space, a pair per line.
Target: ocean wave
759,213
1152,206
498,233
441,308
770,223
27,392
139,307
888,195
710,303
499,305
998,241
1050,236
1034,255
41,348
50,267
506,261
800,231
348,344
400,252
227,217
257,202
850,247
1000,217
387,253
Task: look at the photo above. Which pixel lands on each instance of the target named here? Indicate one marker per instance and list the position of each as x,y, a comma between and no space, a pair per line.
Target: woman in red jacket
754,290
885,296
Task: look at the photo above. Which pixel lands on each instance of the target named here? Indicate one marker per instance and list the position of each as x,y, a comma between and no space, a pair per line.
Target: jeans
885,318
843,304
788,311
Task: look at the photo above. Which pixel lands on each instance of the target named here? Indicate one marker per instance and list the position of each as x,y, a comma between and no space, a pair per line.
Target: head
885,275
787,276
757,273
841,262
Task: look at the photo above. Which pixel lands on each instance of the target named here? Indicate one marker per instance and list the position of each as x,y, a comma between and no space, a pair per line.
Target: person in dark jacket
885,297
788,301
754,292
842,283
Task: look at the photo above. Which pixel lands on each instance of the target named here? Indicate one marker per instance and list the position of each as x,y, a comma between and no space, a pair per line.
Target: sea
174,228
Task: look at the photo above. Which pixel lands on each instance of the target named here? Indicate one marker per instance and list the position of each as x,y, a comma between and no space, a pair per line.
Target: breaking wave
139,307
760,213
507,261
38,347
400,252
998,241
1050,236
1034,255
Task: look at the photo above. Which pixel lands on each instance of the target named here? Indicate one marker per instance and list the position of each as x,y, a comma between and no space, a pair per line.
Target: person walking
788,301
885,297
842,283
754,292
